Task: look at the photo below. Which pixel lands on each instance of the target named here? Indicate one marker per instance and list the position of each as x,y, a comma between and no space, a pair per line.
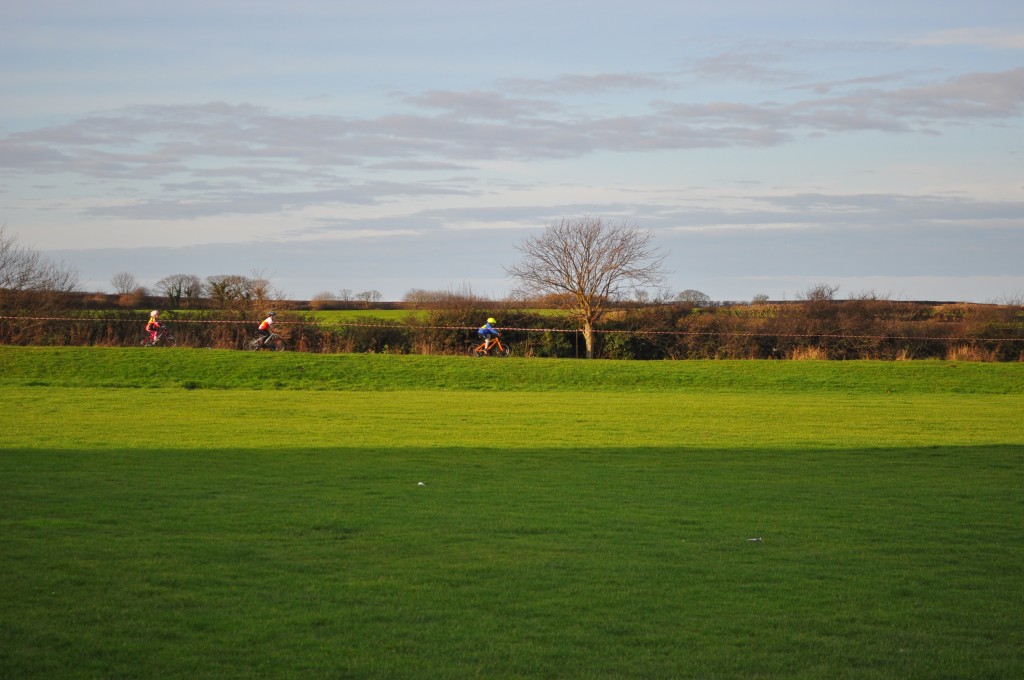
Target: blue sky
400,145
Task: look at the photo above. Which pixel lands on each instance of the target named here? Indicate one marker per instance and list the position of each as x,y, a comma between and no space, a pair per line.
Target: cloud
188,161
825,87
966,97
476,125
990,38
923,215
419,166
213,202
477,104
743,66
599,83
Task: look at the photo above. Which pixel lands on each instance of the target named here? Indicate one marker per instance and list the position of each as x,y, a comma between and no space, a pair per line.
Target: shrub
964,352
808,354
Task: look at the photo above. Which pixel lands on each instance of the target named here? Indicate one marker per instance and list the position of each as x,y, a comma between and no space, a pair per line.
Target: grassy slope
218,369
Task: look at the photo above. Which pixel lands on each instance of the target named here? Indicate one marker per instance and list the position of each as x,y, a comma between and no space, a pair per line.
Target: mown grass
91,418
518,563
582,532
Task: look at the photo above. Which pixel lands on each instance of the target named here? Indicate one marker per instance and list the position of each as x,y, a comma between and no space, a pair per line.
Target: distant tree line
445,323
566,315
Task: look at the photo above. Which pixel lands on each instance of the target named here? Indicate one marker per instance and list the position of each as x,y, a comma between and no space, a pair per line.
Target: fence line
635,331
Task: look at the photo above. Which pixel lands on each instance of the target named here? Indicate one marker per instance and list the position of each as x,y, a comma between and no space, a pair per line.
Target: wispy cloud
187,162
967,97
986,37
758,66
213,201
483,105
160,141
827,86
801,211
599,83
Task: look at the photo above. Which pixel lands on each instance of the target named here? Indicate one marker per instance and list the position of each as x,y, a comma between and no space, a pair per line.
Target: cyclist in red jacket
266,328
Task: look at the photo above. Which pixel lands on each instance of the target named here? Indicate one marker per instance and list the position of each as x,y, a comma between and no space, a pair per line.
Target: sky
403,145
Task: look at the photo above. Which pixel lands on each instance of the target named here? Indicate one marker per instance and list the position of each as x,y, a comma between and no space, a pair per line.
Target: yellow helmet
491,319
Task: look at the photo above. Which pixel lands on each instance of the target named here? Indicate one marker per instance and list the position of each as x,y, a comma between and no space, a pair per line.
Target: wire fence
408,336
533,329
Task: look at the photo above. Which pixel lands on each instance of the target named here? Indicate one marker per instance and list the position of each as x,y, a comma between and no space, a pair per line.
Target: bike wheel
145,342
277,345
476,351
253,345
502,351
169,341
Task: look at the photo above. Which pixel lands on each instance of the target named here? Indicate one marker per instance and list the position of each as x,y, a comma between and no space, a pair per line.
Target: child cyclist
266,328
487,331
153,326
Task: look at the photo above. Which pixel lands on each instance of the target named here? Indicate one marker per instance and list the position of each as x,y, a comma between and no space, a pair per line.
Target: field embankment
220,369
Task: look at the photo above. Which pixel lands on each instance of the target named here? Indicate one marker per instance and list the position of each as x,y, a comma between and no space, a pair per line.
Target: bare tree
368,297
29,279
180,289
417,298
587,263
694,297
452,298
819,292
124,283
322,300
261,290
229,291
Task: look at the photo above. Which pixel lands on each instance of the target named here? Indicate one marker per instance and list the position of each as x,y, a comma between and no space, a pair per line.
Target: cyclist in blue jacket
487,332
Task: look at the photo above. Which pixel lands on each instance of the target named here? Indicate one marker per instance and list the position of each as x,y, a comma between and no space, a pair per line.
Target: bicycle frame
163,336
271,342
496,346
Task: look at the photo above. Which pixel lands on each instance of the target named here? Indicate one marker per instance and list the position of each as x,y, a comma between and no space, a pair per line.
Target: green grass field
197,513
341,316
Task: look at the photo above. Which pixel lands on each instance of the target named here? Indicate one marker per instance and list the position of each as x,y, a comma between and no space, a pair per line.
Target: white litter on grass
420,484
756,540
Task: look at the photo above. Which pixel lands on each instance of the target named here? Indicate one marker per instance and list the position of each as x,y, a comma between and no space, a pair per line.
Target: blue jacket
487,329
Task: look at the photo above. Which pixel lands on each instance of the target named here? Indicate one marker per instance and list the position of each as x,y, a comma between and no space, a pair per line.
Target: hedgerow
824,329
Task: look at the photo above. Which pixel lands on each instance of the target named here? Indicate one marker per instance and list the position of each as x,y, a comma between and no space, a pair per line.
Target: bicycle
497,348
164,338
272,342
